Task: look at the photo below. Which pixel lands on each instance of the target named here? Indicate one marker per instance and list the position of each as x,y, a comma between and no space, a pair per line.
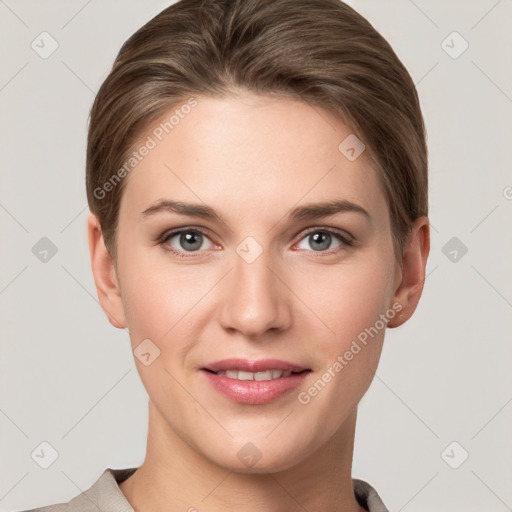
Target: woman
257,180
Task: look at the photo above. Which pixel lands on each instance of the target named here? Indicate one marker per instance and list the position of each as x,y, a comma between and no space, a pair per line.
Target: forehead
246,151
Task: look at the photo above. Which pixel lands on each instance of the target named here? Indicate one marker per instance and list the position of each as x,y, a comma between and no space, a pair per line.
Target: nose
254,298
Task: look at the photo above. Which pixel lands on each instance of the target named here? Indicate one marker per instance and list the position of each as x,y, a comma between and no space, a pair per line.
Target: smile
266,375
254,382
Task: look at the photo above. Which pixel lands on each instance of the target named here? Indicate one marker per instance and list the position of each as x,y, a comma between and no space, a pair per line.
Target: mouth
254,382
253,366
259,376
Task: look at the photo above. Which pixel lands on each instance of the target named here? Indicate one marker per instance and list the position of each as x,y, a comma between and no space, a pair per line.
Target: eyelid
331,230
345,238
184,229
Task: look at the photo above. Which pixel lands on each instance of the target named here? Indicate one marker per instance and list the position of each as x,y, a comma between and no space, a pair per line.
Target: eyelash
164,238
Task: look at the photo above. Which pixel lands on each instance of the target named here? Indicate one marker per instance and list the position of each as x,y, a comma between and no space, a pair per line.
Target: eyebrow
192,210
307,212
316,210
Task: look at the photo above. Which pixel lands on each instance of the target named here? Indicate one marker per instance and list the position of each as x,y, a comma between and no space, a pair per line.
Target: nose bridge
255,300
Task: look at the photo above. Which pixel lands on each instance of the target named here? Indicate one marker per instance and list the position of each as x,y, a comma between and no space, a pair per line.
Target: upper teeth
267,375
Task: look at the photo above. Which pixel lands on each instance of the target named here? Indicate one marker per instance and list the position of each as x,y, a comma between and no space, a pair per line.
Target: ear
411,274
105,277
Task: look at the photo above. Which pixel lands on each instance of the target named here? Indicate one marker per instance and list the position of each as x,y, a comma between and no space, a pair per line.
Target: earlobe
414,262
104,273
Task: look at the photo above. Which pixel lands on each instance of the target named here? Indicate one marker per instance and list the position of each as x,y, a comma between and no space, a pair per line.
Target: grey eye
319,241
191,241
188,241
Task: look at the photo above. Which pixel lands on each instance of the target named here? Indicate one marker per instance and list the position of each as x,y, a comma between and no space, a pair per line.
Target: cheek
349,332
152,298
348,336
162,300
347,299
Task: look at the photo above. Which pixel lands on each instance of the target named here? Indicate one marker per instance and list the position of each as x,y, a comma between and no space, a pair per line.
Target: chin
257,457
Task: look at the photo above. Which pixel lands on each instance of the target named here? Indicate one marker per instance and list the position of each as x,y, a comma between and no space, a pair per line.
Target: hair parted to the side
321,52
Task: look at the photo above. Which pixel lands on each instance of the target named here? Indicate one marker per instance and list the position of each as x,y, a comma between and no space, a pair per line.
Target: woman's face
262,269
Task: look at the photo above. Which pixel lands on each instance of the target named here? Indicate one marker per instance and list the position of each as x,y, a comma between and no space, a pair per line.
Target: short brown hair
321,52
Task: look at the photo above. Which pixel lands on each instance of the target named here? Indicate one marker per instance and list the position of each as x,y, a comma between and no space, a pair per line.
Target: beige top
105,496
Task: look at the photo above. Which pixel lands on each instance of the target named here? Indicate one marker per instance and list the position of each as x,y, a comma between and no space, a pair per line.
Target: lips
254,382
253,366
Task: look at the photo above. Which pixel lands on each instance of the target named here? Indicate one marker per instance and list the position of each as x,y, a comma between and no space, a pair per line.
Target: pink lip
254,392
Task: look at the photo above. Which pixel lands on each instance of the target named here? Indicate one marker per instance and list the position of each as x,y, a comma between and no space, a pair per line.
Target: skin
253,159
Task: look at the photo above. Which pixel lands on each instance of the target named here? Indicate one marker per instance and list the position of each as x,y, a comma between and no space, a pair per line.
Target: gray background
68,377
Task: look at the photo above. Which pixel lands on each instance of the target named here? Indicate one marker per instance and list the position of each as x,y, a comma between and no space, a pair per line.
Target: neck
175,477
